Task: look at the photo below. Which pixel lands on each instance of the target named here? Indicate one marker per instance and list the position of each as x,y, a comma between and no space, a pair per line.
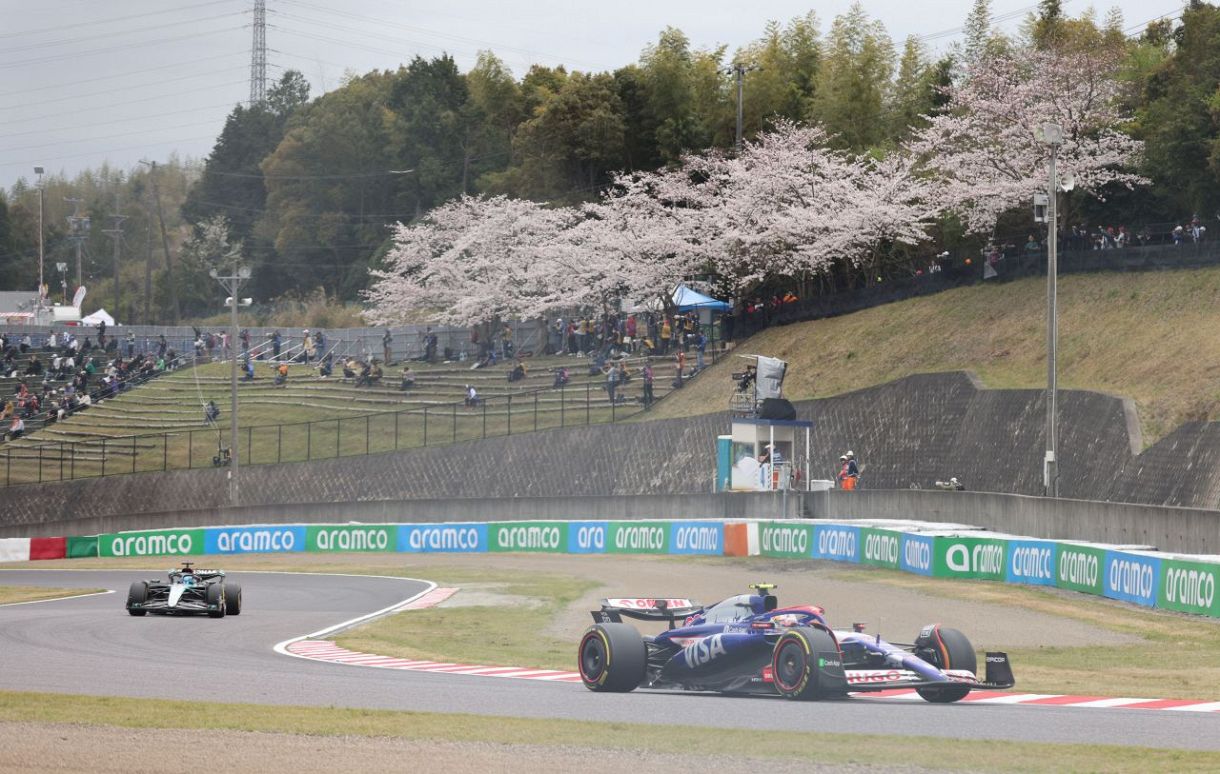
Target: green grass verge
1179,657
512,633
821,748
11,594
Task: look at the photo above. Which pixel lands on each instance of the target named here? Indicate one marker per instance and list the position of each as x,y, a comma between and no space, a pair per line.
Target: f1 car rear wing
668,610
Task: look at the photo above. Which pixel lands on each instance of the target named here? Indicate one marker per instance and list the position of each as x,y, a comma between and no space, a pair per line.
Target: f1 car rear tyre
948,649
232,598
137,594
215,596
612,657
806,664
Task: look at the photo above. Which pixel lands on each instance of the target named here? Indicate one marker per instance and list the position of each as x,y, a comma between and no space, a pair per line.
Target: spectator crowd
66,373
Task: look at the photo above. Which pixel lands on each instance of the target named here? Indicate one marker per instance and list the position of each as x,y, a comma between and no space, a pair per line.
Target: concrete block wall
914,430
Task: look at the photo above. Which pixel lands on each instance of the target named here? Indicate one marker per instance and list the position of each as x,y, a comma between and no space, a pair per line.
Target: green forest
307,186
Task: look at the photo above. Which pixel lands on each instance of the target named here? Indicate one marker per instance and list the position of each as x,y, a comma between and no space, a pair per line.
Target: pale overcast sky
86,81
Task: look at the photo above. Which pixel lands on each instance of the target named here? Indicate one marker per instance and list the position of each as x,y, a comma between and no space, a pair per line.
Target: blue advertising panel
839,542
1031,561
1132,577
254,540
466,538
696,537
916,554
587,537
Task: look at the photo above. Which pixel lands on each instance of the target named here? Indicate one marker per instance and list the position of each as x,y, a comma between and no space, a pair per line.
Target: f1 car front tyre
612,657
232,598
947,649
137,595
806,664
215,597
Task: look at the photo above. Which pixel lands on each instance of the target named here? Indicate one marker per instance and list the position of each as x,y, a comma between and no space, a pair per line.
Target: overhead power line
114,136
107,107
995,19
140,71
111,35
112,20
1136,30
74,55
132,88
88,154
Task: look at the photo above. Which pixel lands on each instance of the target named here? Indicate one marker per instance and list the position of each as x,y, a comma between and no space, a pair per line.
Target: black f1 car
748,644
189,590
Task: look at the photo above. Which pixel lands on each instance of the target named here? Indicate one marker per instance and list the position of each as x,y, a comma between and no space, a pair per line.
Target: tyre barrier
1183,583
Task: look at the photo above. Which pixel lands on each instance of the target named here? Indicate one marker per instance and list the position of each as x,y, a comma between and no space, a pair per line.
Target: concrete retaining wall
1185,530
696,506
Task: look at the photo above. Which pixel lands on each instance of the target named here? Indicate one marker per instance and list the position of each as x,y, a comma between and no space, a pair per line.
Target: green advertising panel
1080,568
331,538
1189,587
881,547
534,536
785,539
163,542
969,557
638,537
81,547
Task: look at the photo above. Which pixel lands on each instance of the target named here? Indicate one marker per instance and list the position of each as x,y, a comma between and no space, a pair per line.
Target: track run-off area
89,645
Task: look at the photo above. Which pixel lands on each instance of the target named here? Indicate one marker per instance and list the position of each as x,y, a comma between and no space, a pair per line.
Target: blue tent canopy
686,299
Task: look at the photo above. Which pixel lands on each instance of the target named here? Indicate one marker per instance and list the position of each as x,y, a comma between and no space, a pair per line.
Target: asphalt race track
89,645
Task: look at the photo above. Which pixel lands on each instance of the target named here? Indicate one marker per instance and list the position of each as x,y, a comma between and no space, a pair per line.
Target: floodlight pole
233,284
41,196
1053,137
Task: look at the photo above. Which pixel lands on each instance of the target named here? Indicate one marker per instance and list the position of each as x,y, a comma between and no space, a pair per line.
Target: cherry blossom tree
788,205
983,146
471,260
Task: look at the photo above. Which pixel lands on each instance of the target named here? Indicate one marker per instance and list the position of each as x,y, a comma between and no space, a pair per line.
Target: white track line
57,599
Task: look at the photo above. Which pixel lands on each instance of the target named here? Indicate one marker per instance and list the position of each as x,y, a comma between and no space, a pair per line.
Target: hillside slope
1152,337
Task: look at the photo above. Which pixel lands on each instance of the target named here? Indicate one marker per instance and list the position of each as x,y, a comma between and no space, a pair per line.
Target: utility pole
169,261
739,70
41,196
148,261
232,283
1051,135
258,55
115,232
79,226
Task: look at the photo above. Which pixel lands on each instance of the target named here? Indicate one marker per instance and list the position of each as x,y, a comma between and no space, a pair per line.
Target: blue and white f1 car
748,644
